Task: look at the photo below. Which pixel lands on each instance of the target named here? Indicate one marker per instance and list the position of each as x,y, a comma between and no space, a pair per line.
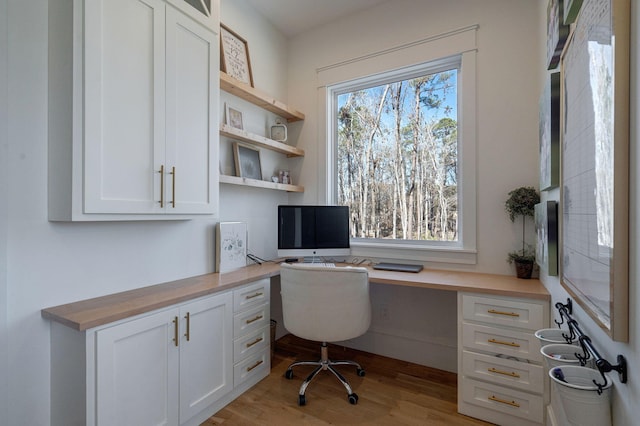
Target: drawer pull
509,314
257,318
255,342
505,373
502,401
254,365
257,294
498,342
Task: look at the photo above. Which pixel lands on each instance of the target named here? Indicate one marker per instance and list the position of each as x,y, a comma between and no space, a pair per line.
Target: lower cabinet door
136,372
206,353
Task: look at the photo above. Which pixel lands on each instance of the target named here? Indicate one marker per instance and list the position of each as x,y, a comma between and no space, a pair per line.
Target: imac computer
313,231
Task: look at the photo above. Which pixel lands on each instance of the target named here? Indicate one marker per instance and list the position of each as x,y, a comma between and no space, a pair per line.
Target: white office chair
325,304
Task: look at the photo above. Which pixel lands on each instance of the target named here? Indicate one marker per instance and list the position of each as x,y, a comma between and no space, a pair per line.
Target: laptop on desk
399,267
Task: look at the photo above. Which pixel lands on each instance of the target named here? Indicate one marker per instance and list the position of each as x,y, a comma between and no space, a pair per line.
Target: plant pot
524,269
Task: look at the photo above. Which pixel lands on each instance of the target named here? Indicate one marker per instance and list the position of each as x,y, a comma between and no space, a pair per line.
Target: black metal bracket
588,350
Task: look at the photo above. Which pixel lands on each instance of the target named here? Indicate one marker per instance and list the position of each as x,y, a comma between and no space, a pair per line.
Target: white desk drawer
251,294
504,371
251,320
501,341
256,365
504,400
250,343
503,311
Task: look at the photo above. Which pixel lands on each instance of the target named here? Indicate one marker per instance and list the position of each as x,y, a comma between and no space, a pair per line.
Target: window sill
398,251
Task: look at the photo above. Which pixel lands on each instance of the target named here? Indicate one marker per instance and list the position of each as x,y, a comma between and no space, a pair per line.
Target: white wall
507,129
626,410
53,263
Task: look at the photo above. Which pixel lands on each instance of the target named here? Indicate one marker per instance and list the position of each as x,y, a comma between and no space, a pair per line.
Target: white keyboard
319,264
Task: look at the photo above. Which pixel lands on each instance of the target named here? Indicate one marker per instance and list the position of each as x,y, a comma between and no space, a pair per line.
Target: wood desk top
90,313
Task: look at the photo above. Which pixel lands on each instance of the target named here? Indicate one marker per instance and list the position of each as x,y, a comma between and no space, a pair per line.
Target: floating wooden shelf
256,97
261,141
234,180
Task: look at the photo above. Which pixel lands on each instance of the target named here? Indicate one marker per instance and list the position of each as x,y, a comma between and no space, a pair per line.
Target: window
396,155
400,148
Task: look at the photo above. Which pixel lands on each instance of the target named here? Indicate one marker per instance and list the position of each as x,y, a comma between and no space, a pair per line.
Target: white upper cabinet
133,106
207,12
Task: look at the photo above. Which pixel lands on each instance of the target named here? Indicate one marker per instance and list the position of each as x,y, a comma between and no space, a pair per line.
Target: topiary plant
521,202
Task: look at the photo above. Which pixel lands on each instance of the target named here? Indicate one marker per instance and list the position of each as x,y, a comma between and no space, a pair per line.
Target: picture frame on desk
231,246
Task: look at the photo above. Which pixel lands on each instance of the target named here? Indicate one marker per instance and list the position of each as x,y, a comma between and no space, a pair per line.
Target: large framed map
595,164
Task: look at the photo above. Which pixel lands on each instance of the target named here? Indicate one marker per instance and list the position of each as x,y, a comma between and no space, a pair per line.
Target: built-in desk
500,373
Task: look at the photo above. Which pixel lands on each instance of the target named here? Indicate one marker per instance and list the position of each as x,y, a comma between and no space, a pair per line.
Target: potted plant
521,202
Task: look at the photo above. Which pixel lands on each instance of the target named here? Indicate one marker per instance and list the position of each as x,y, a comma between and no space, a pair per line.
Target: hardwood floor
392,393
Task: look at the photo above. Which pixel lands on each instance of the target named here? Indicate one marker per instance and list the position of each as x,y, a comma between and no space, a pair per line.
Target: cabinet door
137,372
207,12
206,367
124,99
191,120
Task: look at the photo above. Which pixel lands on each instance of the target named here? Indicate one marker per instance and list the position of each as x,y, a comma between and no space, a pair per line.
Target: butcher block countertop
86,314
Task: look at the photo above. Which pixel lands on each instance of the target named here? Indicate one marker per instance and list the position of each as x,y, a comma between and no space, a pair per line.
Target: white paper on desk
231,246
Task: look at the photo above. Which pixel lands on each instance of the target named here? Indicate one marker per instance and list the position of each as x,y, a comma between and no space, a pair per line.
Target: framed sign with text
234,56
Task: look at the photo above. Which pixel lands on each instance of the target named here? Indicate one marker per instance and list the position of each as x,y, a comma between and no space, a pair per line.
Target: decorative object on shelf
247,161
234,56
521,202
571,10
550,133
284,177
233,117
231,246
595,164
279,131
546,219
557,32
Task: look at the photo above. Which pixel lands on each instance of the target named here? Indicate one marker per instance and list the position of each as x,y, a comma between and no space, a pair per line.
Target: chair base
325,364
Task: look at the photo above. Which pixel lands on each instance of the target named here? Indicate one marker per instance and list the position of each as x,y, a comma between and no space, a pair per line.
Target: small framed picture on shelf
233,117
234,58
247,161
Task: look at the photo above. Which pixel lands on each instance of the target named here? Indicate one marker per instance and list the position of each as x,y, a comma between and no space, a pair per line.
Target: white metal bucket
547,336
559,355
582,404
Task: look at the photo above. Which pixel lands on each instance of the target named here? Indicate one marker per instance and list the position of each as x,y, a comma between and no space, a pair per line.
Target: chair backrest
325,304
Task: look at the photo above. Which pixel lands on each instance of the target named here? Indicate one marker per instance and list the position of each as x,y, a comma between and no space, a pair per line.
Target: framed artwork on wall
595,164
546,221
550,133
557,32
234,56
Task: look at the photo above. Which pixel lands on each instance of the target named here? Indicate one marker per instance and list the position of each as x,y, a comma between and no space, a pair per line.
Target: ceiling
292,17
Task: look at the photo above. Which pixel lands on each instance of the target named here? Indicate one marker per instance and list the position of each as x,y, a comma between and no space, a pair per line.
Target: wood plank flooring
393,392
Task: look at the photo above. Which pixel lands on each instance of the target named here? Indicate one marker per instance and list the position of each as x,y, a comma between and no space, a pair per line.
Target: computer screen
312,231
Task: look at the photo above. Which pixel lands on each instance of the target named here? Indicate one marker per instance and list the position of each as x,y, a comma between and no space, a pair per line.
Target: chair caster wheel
360,372
289,374
353,399
302,400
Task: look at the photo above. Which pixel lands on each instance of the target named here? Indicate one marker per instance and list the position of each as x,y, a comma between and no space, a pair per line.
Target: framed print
231,246
234,56
247,161
233,117
546,221
595,164
557,32
550,133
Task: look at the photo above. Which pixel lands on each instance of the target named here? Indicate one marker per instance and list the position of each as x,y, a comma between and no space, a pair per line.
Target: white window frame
456,49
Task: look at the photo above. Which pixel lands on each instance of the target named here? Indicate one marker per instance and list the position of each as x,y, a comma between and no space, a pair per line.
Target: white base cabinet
501,377
174,366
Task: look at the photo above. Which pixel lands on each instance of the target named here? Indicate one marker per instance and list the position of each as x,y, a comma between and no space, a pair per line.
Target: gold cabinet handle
173,187
187,334
503,401
504,373
254,365
161,171
257,294
259,317
510,314
255,342
175,331
498,342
